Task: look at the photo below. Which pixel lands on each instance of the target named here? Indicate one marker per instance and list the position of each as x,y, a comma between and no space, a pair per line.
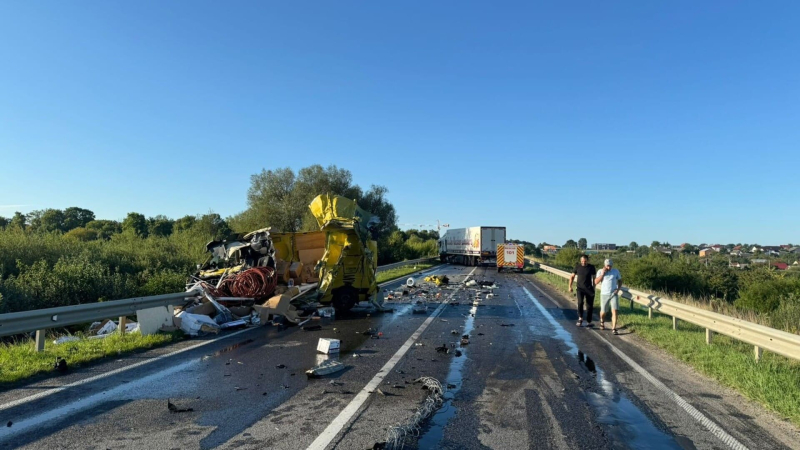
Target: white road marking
20,427
110,373
333,429
715,429
50,392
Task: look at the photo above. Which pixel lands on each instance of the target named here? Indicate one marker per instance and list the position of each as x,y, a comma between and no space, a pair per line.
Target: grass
773,382
393,274
20,360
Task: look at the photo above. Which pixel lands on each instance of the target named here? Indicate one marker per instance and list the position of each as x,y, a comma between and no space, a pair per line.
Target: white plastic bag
194,324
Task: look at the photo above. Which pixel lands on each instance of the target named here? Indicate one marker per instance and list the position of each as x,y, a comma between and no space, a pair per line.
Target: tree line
56,257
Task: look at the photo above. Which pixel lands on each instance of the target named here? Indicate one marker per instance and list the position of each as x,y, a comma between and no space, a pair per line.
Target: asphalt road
527,378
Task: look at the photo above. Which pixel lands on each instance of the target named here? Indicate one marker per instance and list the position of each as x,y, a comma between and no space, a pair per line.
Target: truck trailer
471,246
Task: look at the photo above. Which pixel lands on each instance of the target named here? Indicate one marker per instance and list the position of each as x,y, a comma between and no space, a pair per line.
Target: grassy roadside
773,382
19,361
393,274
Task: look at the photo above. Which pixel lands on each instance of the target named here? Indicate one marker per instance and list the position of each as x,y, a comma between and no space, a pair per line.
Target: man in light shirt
610,282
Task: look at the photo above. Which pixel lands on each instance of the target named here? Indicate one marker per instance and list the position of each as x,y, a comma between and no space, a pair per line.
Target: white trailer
471,246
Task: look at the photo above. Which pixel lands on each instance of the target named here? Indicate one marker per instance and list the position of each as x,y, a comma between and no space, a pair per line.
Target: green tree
81,234
3,222
75,217
571,244
567,257
52,220
159,226
184,223
135,224
582,243
374,201
17,221
633,245
212,225
655,244
104,228
689,249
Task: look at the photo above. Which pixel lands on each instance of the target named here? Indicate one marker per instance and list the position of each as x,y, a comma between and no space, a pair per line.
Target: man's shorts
605,299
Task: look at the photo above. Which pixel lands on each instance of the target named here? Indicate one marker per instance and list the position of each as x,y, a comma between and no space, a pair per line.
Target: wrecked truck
233,255
347,270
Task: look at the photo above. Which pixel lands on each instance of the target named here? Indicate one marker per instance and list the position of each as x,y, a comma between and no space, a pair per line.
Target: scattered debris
458,353
420,307
9,424
60,365
312,327
325,368
237,388
64,339
396,436
443,349
437,279
280,366
410,282
506,324
174,409
327,345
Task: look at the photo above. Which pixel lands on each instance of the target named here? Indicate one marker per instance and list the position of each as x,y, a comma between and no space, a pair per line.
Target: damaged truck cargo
348,266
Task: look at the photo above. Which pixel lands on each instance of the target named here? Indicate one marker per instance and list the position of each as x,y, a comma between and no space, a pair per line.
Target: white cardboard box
326,345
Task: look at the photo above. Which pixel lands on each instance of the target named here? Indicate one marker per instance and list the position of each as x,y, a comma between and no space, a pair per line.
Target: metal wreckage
293,276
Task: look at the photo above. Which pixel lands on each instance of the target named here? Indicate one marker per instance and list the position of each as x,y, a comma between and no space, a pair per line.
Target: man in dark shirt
585,273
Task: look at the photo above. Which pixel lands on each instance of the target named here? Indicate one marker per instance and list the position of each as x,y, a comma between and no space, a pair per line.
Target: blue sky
675,121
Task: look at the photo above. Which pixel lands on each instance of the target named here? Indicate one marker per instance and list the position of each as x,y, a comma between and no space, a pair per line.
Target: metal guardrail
761,337
39,320
406,263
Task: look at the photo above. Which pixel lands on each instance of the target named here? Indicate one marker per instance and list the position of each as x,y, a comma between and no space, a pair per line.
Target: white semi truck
471,246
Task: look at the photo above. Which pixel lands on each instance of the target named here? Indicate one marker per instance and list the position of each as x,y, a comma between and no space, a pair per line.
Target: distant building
738,248
604,246
706,252
739,265
780,265
550,249
736,253
795,250
666,250
758,261
717,247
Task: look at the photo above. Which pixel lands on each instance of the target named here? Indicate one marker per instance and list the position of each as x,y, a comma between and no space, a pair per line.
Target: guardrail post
649,312
123,320
758,352
674,323
709,334
40,340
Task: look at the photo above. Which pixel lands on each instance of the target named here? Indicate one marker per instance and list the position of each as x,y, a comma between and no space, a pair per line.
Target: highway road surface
527,378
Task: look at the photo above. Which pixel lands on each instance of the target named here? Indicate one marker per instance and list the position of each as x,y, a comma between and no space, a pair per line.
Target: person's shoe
589,324
580,323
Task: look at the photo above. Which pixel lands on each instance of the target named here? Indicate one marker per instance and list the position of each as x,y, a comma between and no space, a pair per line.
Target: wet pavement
524,378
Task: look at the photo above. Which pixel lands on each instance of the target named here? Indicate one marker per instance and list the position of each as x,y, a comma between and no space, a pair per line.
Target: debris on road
64,339
396,435
420,307
325,368
438,280
174,409
60,365
443,349
327,345
312,327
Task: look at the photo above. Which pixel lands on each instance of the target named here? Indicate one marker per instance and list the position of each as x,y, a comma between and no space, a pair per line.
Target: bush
767,296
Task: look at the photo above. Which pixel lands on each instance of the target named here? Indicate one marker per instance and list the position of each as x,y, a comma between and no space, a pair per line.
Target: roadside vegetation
758,294
54,257
399,272
19,360
773,382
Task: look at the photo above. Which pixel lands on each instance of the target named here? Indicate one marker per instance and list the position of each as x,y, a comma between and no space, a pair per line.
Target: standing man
609,293
585,273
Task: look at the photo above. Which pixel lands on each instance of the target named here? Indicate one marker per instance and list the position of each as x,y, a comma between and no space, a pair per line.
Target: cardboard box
296,270
309,274
310,257
327,346
282,270
205,309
